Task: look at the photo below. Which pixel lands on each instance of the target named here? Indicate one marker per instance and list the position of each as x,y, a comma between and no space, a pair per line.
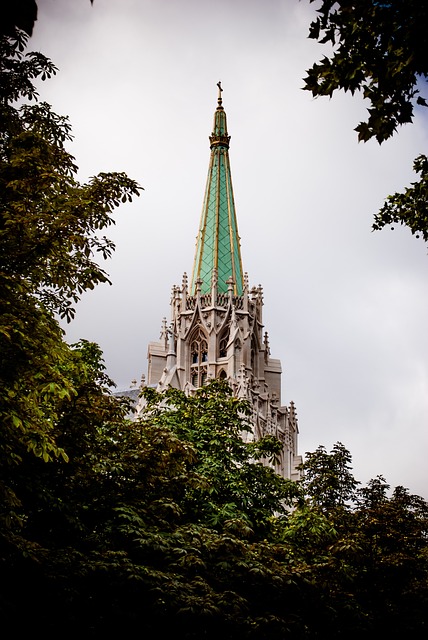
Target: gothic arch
254,357
223,341
198,357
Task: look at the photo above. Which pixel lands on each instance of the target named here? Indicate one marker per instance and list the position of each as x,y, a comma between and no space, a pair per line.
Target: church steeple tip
218,244
219,134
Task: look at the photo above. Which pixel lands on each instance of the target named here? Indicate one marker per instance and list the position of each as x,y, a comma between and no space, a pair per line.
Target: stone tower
216,328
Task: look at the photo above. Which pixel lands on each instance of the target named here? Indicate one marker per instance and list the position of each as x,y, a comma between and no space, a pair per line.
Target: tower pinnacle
218,242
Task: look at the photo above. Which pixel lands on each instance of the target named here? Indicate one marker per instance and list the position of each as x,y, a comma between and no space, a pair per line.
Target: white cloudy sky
346,309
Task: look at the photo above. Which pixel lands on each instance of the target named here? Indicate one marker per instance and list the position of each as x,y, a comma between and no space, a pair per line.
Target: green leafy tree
409,208
393,583
122,536
140,529
50,229
327,477
363,552
232,481
378,49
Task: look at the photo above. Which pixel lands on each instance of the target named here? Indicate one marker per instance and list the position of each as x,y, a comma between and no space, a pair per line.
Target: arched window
198,359
223,375
222,346
194,349
254,360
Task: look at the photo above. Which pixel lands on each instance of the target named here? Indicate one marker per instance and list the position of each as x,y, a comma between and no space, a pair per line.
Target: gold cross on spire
219,92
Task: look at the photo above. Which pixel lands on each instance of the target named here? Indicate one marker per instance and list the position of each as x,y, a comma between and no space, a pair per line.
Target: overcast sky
346,309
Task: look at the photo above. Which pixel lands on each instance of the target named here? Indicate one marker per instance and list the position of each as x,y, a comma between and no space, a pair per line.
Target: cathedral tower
216,326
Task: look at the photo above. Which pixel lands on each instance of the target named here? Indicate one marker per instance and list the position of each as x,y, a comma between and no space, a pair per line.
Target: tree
327,477
49,237
141,528
156,525
364,552
21,14
409,208
379,49
232,484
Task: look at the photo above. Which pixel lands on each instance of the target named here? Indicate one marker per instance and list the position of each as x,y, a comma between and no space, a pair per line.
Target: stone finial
266,342
243,382
230,286
164,332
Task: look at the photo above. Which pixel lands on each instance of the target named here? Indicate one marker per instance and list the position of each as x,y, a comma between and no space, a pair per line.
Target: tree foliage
365,552
18,14
170,524
49,222
50,229
231,483
409,208
378,49
327,477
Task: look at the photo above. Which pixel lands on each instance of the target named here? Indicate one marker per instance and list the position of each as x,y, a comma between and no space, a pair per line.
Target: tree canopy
50,235
378,49
170,523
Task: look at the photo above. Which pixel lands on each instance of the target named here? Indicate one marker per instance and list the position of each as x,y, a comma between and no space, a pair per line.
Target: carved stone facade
216,327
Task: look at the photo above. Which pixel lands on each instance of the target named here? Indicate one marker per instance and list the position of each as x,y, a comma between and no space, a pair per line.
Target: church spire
217,246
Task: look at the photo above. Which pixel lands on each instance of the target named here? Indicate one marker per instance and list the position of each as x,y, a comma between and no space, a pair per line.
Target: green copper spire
218,251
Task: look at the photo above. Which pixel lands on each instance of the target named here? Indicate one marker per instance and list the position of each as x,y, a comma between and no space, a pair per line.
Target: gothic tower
216,327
